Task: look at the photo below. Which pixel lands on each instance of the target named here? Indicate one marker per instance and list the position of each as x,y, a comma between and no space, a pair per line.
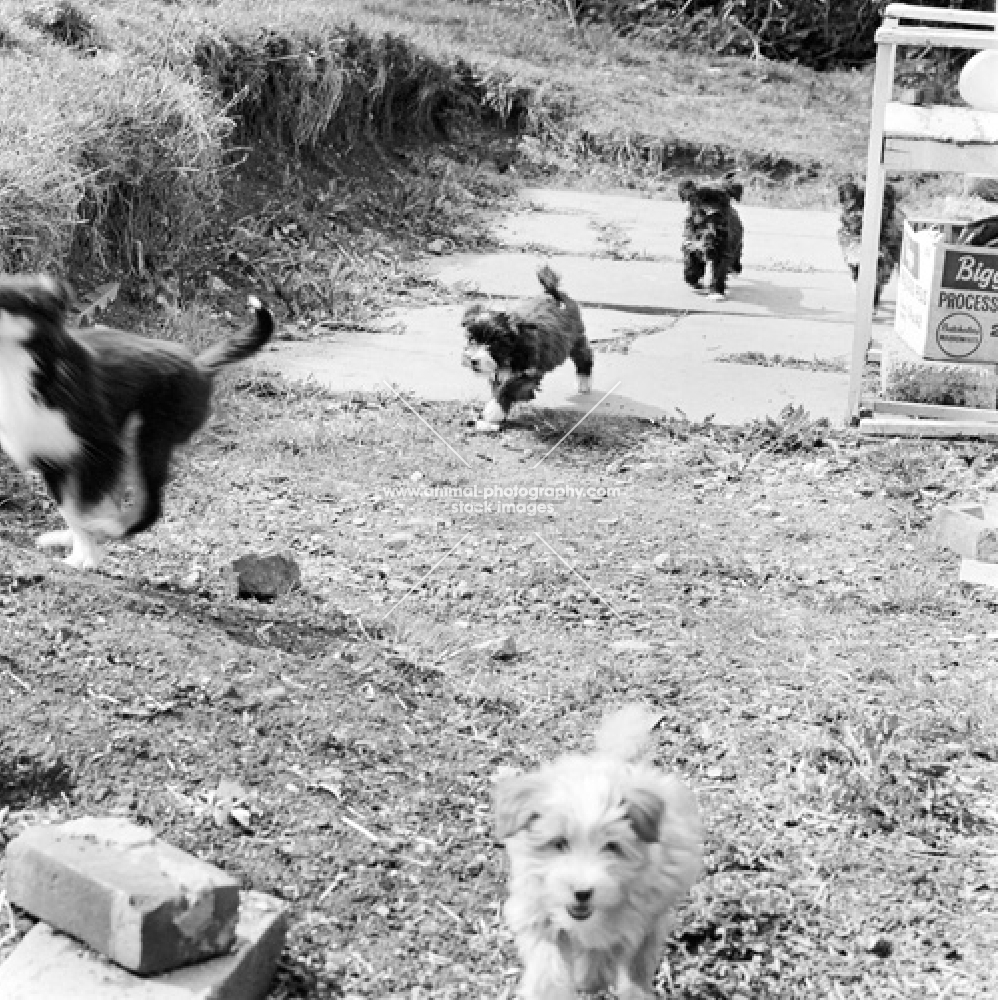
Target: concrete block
144,904
983,574
48,965
969,530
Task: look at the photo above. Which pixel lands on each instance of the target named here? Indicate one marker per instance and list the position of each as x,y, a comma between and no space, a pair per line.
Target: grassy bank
627,102
121,122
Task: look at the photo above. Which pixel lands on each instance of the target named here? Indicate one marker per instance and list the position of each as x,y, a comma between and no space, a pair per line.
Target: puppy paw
585,383
81,560
488,427
717,296
55,540
493,413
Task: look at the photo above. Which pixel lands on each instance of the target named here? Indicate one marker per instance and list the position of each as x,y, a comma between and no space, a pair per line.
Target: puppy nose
583,895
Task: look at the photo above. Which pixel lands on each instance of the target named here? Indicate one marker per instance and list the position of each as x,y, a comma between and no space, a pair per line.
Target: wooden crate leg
872,213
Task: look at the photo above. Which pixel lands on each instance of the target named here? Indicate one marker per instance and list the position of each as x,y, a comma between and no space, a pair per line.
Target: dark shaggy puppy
852,197
98,412
712,234
517,346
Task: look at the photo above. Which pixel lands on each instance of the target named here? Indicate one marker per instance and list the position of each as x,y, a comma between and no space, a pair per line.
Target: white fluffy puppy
602,848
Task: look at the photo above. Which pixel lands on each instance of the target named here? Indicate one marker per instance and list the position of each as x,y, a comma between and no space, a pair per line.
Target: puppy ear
735,189
54,295
471,314
687,189
515,802
645,809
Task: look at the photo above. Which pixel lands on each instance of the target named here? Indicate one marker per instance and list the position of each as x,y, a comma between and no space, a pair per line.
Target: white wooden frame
904,138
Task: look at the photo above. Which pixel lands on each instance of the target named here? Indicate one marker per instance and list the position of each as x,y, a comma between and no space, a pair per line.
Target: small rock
506,650
216,286
631,646
266,576
881,947
398,541
438,246
665,563
229,791
276,693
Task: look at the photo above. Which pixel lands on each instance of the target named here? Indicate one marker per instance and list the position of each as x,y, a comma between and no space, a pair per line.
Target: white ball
979,81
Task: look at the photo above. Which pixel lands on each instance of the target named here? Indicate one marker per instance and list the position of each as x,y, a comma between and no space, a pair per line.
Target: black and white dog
517,346
712,235
98,412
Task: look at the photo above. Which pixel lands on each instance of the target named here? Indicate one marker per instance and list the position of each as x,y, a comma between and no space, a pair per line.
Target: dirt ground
826,682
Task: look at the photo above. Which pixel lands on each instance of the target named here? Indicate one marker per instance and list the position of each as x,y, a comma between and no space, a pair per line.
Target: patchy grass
826,683
815,364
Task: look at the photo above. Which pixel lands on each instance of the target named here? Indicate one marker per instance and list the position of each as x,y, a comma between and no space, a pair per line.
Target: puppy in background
852,198
713,235
98,412
602,849
517,346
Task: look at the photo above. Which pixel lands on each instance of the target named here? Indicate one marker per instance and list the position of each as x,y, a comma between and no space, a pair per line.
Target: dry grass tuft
102,160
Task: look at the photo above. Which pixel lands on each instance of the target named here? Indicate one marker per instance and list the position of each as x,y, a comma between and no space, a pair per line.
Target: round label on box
959,335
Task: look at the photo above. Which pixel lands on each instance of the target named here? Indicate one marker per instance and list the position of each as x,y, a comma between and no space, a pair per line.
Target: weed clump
341,86
103,160
63,22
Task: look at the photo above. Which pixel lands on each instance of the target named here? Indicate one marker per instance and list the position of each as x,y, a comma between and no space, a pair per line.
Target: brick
48,965
141,902
969,530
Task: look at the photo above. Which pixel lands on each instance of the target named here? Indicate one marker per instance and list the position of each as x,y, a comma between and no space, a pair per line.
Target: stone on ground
266,576
141,902
48,965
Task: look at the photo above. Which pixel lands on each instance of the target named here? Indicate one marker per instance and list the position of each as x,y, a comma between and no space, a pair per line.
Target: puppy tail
241,345
627,733
551,283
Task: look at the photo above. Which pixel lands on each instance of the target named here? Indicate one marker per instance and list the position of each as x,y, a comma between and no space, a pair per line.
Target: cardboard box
947,302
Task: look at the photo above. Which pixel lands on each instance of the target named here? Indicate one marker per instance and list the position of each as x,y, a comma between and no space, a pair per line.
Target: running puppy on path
517,346
712,235
98,412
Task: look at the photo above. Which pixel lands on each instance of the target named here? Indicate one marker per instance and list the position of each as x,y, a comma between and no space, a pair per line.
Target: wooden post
883,88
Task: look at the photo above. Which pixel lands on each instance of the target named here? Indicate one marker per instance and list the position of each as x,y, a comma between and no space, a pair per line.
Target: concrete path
661,348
